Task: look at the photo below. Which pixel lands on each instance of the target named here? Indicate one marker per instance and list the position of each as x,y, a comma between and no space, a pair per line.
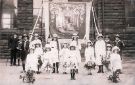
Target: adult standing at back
13,46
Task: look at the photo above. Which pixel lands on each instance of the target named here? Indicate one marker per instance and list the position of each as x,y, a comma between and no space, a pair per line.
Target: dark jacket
13,43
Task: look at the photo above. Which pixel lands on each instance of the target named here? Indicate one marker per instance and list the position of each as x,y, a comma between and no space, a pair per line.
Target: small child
39,53
89,57
31,67
116,64
75,56
73,70
107,58
65,66
64,58
47,59
31,61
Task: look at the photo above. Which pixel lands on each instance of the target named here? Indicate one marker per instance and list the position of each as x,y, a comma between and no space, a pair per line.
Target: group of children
50,58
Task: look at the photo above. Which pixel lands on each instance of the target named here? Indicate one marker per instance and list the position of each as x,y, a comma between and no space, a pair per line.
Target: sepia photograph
67,42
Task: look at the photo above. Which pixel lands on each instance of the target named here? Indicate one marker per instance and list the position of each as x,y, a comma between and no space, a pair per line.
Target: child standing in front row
115,63
89,57
32,61
115,59
107,58
47,59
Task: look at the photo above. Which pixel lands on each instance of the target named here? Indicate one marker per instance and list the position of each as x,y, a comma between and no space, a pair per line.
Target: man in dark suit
25,50
13,46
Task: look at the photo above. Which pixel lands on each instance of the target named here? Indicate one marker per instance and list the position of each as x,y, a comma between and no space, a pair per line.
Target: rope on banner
95,21
94,18
35,23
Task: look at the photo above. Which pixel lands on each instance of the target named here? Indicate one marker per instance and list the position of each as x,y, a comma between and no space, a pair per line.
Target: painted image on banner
67,18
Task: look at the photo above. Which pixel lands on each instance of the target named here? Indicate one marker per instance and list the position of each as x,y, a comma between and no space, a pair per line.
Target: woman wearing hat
100,52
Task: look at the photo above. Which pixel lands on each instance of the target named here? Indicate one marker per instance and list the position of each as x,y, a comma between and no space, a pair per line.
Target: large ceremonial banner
67,18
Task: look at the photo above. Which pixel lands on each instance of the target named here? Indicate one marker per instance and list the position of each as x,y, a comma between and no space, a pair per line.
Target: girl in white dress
47,59
89,57
32,61
100,52
64,58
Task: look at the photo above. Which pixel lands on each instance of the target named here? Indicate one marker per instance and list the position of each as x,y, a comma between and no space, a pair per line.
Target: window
6,21
130,13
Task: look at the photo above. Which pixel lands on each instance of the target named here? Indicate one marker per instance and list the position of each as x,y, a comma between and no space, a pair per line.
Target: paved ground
9,75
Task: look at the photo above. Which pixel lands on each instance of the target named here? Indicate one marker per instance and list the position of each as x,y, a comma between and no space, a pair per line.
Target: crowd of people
38,58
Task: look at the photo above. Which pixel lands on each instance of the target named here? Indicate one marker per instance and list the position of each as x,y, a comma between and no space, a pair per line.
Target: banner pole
35,23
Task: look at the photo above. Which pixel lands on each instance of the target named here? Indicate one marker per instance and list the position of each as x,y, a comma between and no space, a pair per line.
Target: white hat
65,44
115,48
89,41
74,34
47,46
55,35
117,35
36,35
30,33
100,35
24,35
109,45
32,48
